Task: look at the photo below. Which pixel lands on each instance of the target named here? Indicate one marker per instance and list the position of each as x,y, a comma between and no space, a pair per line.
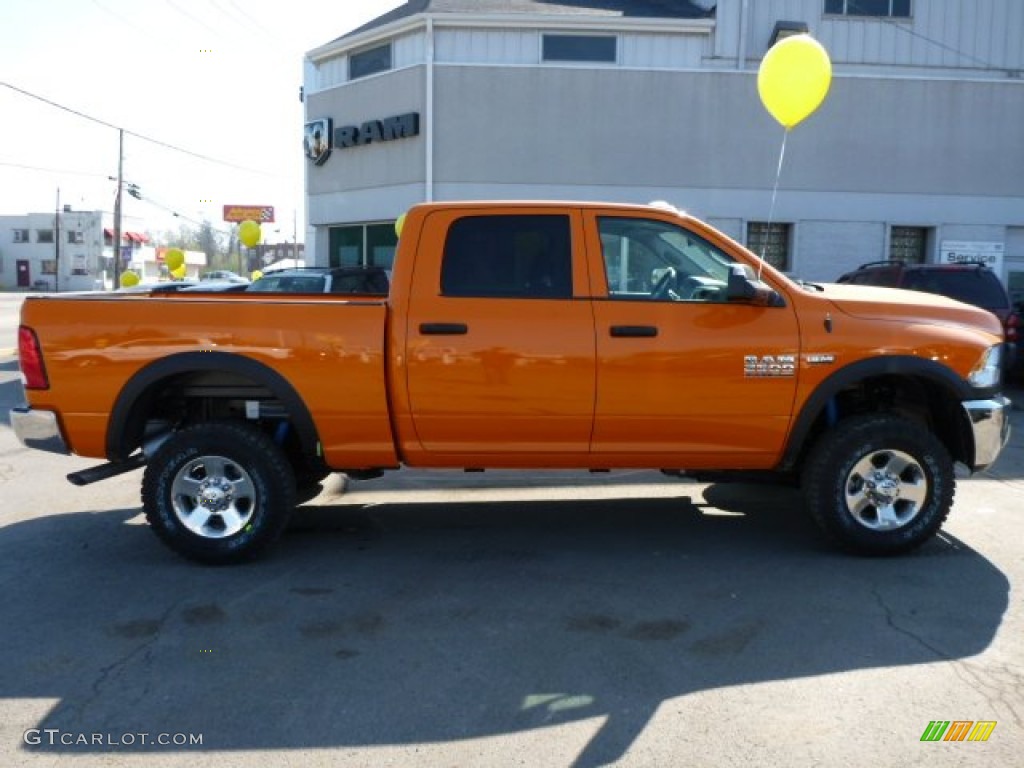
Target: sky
218,79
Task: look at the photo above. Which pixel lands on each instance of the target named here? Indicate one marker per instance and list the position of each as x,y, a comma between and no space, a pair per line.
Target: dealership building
915,154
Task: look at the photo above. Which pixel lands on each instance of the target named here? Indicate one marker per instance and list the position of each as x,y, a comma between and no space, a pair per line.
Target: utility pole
56,245
117,209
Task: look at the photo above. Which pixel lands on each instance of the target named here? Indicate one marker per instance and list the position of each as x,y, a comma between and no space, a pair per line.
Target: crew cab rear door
499,352
684,376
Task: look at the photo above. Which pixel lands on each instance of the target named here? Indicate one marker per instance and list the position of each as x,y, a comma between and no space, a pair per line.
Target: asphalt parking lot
505,619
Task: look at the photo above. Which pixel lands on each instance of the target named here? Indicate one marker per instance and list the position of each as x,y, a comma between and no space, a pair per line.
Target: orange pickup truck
523,335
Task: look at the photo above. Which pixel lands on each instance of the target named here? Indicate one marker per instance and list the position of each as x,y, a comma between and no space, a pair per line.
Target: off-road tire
218,492
885,458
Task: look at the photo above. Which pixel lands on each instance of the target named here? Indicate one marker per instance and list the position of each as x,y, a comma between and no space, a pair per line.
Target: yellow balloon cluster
399,224
173,259
256,275
129,279
794,78
249,233
179,273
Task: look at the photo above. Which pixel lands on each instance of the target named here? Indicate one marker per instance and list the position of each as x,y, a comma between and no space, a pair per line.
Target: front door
24,274
686,379
500,356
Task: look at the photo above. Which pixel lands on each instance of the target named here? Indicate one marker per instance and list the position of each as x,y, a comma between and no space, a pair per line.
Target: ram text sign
320,136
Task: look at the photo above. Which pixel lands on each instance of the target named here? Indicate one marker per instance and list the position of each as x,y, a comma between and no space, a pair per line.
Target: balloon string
771,208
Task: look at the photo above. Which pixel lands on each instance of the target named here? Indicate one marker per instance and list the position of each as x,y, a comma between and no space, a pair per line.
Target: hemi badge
818,359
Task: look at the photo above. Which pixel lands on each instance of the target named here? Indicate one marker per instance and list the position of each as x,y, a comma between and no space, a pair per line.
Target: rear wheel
218,492
879,484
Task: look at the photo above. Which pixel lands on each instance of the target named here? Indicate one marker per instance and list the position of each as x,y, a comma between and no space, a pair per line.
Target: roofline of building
528,20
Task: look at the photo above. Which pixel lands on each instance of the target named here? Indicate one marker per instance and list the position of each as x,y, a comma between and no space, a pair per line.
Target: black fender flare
120,442
906,366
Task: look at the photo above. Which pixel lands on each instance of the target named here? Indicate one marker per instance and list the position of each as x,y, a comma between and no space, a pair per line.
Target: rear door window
526,256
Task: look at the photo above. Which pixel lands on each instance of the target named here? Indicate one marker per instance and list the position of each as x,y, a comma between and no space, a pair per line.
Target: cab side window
525,256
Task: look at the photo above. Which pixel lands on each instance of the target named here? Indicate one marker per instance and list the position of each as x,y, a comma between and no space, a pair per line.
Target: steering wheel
663,288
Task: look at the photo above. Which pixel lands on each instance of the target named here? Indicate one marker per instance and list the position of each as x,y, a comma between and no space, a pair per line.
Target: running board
108,470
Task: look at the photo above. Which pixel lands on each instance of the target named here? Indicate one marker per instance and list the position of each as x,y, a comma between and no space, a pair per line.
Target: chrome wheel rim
213,497
886,490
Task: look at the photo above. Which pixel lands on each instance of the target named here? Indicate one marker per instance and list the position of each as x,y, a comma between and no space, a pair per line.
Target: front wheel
879,484
218,492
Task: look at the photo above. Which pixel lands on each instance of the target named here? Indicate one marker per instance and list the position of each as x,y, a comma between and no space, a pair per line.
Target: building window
76,237
44,235
770,242
21,236
898,9
908,244
362,245
345,246
579,48
381,242
369,62
510,256
49,266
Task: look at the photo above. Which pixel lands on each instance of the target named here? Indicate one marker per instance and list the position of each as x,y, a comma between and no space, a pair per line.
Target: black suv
969,282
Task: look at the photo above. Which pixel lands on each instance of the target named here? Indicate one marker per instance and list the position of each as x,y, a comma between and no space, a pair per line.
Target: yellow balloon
249,233
129,279
256,274
179,273
794,78
399,223
174,258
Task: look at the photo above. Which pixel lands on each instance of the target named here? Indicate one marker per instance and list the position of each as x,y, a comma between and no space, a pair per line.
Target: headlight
988,370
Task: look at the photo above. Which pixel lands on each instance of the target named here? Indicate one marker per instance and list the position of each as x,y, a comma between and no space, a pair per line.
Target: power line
141,136
63,171
899,23
188,15
121,18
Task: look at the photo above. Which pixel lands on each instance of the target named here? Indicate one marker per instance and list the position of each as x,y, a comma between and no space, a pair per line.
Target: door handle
634,331
444,329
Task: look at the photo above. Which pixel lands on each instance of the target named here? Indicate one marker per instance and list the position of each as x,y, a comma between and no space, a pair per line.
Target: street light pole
56,245
117,209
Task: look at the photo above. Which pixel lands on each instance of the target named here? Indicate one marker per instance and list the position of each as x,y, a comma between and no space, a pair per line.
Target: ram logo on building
320,138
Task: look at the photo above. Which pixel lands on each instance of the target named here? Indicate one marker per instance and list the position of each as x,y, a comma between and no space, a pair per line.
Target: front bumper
38,429
990,426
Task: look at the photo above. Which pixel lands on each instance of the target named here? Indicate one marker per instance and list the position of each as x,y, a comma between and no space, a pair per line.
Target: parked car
224,275
372,281
167,286
215,286
969,282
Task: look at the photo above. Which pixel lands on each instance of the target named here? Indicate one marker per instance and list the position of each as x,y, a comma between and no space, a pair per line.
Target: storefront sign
960,251
261,214
320,137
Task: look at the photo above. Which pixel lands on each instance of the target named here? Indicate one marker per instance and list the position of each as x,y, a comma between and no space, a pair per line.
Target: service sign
961,251
261,214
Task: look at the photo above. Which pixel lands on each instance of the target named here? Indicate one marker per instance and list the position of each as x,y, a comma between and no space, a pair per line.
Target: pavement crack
997,685
108,672
891,622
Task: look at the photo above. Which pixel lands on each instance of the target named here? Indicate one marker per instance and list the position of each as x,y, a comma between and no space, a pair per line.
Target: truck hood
874,303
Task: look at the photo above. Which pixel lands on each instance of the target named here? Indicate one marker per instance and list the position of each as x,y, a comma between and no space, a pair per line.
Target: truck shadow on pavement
401,623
